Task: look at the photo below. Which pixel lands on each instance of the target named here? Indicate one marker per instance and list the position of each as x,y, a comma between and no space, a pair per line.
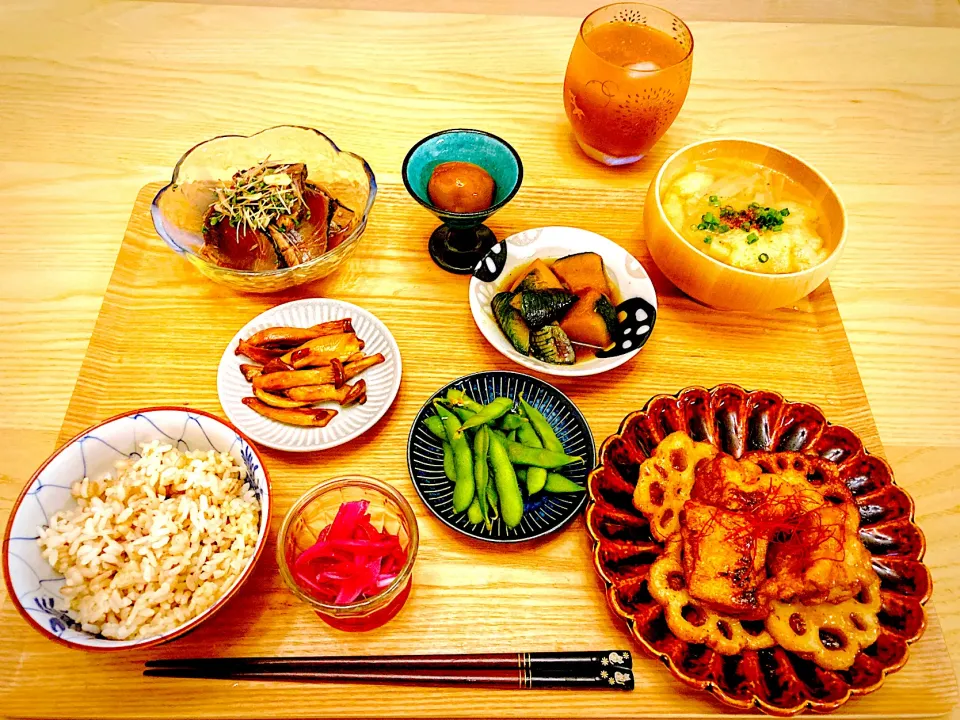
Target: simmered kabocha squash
538,276
592,321
511,322
551,344
542,307
583,271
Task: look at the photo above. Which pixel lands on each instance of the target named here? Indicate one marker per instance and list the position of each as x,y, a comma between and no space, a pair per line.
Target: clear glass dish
178,209
315,510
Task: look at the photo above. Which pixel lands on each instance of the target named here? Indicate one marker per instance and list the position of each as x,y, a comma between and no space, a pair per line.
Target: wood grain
862,12
158,340
102,97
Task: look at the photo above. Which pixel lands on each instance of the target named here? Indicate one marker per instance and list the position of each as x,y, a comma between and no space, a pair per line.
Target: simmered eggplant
551,344
542,307
511,322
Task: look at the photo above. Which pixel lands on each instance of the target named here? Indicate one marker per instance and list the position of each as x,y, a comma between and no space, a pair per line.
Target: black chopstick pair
611,669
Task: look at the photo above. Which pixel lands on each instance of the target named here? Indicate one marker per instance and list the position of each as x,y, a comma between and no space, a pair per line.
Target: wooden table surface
99,98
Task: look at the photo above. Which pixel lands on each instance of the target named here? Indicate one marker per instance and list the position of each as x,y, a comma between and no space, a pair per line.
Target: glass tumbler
626,80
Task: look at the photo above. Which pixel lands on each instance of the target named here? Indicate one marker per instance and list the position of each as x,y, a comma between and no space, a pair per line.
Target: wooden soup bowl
723,286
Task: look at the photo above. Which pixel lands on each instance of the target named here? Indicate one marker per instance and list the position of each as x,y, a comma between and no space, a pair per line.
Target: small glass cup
626,80
315,510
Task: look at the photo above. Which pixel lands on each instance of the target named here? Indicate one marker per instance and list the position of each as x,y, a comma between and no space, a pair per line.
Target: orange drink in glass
626,80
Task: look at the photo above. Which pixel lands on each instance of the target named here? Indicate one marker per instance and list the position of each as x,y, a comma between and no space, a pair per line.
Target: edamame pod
538,457
493,410
512,436
512,421
536,479
521,474
435,425
526,435
535,476
459,398
540,424
481,470
511,501
493,500
464,490
449,467
557,483
462,412
474,514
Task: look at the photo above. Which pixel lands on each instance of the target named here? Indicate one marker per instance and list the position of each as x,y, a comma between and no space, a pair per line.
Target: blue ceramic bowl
543,513
462,240
493,154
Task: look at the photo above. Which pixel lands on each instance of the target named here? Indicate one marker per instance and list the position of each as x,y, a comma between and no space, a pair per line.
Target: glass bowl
315,510
179,208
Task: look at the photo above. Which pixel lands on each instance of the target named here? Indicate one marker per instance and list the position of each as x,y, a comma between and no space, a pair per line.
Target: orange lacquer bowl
774,680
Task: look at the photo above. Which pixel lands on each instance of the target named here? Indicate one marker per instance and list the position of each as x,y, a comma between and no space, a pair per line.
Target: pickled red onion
351,560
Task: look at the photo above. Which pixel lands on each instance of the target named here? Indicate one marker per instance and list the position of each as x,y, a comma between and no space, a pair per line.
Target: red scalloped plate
774,680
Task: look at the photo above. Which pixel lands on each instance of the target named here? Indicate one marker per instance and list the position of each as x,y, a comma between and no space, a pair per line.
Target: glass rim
642,5
367,605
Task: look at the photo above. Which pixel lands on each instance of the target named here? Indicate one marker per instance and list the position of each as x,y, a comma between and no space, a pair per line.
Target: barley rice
157,545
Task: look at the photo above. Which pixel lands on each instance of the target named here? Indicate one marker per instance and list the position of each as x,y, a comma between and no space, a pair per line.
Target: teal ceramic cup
462,240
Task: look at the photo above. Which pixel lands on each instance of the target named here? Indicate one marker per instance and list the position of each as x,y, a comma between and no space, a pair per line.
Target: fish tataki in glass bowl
266,212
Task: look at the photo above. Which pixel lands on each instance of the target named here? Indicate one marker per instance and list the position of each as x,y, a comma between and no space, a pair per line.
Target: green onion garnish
763,257
785,212
752,238
708,239
714,200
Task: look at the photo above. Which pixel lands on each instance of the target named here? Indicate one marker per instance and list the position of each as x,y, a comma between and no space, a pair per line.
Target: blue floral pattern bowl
34,586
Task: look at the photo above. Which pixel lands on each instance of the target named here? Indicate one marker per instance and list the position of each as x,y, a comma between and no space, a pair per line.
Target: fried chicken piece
724,482
724,559
745,486
822,559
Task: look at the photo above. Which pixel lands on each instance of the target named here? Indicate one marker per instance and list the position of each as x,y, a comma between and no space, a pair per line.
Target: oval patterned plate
383,380
541,516
737,421
638,311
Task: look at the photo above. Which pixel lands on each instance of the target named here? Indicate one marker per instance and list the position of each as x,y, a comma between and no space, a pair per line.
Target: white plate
554,242
383,380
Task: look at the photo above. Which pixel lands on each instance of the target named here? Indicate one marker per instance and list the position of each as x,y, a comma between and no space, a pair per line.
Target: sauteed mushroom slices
297,368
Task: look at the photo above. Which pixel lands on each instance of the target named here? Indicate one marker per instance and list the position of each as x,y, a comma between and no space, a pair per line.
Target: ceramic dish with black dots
630,298
543,512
